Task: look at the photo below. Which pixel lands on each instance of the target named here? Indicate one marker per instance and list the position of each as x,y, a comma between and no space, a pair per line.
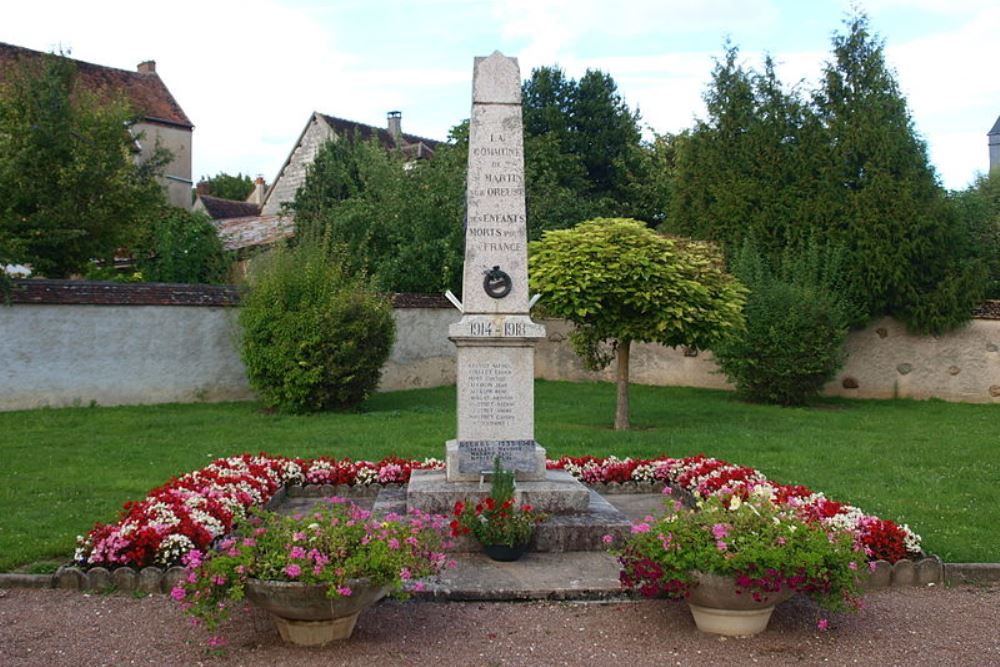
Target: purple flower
177,593
293,570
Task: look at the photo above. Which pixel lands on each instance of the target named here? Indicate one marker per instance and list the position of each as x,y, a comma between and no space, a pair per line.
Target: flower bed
193,510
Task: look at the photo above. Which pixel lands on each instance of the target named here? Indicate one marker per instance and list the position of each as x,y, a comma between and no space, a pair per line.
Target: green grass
931,464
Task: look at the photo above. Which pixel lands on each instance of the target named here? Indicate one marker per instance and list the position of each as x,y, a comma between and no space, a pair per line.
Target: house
161,121
243,234
994,137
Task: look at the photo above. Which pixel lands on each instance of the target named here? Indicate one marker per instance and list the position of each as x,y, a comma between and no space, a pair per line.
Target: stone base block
558,493
532,470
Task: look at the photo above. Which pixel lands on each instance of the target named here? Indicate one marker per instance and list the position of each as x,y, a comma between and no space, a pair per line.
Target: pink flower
298,537
216,641
249,542
720,530
418,586
345,591
393,543
297,552
822,624
852,565
405,574
177,593
640,528
293,570
872,566
608,539
720,545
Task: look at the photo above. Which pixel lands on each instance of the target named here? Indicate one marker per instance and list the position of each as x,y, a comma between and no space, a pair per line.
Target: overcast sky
250,73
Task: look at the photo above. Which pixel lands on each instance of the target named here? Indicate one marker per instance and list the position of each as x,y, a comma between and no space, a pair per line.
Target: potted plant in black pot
497,522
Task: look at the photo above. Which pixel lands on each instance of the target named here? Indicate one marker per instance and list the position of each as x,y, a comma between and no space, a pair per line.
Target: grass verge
931,464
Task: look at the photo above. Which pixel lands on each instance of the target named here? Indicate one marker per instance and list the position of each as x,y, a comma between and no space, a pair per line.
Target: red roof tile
146,92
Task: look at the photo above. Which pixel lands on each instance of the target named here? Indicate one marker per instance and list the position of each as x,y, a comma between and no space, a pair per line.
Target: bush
796,324
314,338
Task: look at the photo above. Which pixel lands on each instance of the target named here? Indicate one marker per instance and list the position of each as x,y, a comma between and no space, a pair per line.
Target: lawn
933,465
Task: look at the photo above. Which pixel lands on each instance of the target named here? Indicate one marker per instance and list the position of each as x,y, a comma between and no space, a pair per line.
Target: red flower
459,507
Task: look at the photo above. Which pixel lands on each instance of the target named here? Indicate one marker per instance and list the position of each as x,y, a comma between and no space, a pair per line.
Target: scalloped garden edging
142,550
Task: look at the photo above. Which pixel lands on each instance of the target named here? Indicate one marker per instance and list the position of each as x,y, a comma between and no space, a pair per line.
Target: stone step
560,533
558,493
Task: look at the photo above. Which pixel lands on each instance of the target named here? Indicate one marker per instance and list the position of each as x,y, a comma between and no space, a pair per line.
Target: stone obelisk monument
496,338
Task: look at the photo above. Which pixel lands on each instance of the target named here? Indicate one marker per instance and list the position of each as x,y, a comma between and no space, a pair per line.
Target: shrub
182,247
796,323
314,337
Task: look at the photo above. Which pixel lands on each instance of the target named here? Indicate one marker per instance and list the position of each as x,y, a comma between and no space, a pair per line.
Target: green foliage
796,325
70,190
314,338
400,223
762,546
227,186
182,247
617,280
584,156
845,167
978,210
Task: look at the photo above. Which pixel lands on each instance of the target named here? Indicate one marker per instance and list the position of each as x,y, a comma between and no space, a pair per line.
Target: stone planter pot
717,608
504,553
303,613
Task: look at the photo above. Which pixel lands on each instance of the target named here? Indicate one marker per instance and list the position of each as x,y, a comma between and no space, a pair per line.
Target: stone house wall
293,173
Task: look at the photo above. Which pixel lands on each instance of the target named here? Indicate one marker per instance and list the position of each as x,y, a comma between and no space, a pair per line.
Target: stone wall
74,342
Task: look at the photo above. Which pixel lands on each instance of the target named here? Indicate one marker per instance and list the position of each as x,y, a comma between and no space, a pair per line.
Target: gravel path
954,626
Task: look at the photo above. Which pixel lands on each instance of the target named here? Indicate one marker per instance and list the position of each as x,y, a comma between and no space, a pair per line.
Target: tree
182,247
845,167
978,210
883,199
226,186
398,223
70,189
620,282
584,154
749,169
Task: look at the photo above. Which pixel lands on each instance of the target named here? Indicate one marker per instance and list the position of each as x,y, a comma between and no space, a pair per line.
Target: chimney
395,125
994,137
259,191
147,67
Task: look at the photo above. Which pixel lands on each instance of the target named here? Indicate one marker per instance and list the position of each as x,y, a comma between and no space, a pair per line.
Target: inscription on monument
491,396
476,456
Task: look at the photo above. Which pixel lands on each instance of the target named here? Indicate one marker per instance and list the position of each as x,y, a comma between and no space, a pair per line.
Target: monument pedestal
557,493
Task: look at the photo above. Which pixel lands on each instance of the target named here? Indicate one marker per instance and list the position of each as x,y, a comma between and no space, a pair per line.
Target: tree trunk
621,413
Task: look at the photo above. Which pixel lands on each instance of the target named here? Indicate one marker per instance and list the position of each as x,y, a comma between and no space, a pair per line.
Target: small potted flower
734,557
314,572
502,527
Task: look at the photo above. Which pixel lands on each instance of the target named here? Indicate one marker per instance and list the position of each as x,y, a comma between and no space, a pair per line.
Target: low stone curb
971,573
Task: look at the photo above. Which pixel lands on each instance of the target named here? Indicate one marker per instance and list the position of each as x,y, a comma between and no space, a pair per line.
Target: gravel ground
951,626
